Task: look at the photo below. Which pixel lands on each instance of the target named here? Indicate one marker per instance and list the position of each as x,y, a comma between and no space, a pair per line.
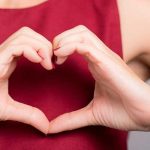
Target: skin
113,105
135,22
19,4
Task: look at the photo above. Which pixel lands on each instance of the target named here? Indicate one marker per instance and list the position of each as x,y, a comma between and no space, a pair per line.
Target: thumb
16,111
73,120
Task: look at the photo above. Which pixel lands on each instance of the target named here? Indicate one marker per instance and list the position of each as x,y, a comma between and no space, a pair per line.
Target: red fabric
68,87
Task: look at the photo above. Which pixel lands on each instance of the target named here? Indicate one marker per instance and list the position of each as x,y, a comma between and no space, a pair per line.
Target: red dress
66,88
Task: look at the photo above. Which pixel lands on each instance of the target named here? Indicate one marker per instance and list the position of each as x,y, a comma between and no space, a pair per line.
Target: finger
67,33
91,53
61,60
26,36
42,49
26,31
16,111
72,120
34,35
8,58
29,32
16,51
85,36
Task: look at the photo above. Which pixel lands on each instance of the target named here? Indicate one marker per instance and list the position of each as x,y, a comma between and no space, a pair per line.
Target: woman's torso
66,88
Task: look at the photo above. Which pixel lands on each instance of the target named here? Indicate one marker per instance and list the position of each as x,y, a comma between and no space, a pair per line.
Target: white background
139,141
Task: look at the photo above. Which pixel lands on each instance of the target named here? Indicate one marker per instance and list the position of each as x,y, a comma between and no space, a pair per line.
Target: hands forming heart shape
113,105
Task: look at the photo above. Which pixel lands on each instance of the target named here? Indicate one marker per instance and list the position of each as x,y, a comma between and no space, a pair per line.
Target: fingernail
56,49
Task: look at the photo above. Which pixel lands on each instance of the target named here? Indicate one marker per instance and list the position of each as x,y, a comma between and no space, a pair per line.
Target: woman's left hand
121,99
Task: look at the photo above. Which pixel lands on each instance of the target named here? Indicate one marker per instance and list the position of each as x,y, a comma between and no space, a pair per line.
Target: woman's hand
121,100
35,48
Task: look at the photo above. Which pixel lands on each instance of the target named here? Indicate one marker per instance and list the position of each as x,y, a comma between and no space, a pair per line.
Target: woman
121,98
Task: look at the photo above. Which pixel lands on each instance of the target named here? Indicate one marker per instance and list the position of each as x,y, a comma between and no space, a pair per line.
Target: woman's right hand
36,49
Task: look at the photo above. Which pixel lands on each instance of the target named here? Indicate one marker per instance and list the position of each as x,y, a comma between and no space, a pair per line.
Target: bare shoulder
135,27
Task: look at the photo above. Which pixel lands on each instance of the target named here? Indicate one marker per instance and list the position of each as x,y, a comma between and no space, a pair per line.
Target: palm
107,105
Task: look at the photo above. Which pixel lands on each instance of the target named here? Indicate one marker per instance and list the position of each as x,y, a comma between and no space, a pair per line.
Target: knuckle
24,49
82,27
85,33
84,36
9,49
25,29
17,39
